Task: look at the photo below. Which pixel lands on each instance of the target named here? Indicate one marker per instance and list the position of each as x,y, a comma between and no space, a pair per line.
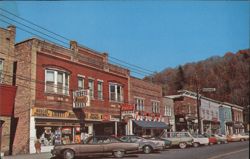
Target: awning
151,124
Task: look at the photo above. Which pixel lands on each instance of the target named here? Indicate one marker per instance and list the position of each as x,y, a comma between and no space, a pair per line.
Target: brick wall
147,91
185,105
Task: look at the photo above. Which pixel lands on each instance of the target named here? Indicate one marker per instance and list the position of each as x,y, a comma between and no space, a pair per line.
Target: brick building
146,118
7,87
185,112
65,92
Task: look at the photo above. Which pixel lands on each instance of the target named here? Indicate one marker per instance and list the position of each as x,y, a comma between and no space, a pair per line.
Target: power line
35,24
146,71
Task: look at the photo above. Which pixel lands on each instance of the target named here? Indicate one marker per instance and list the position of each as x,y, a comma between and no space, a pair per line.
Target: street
234,150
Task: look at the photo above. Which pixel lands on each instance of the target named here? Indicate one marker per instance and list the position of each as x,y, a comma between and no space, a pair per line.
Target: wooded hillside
230,75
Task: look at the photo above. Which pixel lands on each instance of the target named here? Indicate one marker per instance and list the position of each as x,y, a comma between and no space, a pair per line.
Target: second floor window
91,88
115,92
155,107
1,70
56,81
139,104
100,89
80,82
168,111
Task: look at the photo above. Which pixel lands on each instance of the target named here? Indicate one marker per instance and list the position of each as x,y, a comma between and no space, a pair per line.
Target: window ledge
56,94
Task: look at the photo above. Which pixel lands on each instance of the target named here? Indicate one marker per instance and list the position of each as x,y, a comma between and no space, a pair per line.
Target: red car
212,139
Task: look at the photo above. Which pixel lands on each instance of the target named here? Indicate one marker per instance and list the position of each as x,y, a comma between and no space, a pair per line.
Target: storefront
62,127
148,128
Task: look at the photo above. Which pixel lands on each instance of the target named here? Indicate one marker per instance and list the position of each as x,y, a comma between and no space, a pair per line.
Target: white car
199,140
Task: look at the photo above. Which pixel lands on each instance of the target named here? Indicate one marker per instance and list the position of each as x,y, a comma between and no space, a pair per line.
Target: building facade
168,106
185,112
65,94
147,117
7,88
237,115
225,116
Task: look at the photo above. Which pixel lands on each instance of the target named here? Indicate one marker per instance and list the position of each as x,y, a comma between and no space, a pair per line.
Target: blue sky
152,35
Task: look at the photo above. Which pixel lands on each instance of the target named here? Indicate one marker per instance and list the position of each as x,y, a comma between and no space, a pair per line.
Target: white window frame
100,89
91,88
155,106
65,88
116,85
168,110
139,104
80,77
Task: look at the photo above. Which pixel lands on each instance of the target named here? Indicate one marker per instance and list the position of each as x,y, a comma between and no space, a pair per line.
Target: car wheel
118,154
147,149
225,142
68,154
218,142
196,144
182,145
241,139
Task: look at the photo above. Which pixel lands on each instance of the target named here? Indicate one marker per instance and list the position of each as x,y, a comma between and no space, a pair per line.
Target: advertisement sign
81,98
127,107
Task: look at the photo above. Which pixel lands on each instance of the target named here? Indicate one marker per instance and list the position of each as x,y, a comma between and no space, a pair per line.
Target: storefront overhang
151,124
7,99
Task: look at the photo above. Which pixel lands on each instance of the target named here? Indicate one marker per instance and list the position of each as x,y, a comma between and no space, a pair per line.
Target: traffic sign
208,89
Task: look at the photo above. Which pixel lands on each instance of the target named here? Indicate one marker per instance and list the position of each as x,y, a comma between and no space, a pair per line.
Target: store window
80,82
91,88
115,92
100,89
139,104
54,135
56,81
1,70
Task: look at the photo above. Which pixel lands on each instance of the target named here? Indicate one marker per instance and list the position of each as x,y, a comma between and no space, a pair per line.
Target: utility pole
198,110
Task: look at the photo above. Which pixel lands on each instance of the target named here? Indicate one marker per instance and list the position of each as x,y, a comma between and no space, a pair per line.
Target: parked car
167,142
94,145
221,139
212,139
237,137
145,145
181,139
245,136
199,139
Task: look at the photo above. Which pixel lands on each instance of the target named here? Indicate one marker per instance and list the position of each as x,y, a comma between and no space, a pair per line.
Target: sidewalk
43,155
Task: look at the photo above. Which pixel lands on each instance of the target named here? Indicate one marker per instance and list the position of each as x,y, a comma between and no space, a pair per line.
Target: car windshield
101,140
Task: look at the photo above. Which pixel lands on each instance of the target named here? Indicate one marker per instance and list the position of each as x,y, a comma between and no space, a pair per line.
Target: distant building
226,121
147,118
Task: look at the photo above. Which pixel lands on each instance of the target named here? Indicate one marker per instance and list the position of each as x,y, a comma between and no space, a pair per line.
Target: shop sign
94,116
81,98
214,119
105,117
52,113
127,107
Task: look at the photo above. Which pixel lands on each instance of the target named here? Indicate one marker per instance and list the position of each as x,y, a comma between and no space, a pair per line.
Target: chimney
12,30
105,60
73,45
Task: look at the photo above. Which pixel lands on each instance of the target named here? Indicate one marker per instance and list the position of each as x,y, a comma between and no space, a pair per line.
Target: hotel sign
81,98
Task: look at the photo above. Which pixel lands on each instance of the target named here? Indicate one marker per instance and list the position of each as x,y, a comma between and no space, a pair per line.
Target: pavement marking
226,154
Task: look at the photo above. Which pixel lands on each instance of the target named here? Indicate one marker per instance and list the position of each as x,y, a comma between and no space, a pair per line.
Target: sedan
199,139
221,138
168,143
146,145
94,145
